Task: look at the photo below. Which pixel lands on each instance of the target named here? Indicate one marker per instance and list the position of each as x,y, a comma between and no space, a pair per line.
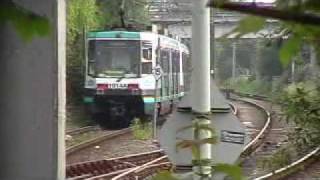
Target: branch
251,8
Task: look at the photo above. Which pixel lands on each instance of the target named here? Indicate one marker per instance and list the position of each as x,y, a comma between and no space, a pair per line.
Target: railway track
309,167
306,167
268,135
81,130
83,164
257,126
127,167
96,140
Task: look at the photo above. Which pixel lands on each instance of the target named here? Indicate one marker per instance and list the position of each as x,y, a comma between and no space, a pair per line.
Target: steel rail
81,130
133,170
257,140
106,166
293,167
91,142
252,145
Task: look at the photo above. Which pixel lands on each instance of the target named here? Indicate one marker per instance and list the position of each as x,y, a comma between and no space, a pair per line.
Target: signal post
204,105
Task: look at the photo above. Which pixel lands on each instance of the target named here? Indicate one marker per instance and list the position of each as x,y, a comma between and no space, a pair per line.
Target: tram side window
91,62
164,60
147,53
175,67
147,68
186,71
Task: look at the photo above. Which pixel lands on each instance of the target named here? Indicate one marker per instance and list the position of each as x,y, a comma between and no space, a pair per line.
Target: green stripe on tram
161,99
114,34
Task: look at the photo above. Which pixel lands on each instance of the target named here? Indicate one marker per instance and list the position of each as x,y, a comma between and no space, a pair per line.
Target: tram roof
114,34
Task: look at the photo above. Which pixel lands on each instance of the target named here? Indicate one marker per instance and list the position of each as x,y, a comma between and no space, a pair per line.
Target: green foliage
235,172
196,142
250,24
296,34
26,23
83,15
141,131
278,160
244,85
136,12
198,128
301,104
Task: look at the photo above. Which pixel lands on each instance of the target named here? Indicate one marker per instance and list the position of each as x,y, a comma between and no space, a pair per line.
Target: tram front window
114,58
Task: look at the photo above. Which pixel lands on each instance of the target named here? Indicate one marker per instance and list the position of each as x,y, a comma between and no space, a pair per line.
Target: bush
141,131
245,85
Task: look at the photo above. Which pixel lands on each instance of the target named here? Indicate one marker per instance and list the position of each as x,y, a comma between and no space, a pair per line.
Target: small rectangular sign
232,137
118,86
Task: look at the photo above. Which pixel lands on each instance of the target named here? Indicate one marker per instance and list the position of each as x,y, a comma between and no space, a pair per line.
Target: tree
133,11
300,25
83,15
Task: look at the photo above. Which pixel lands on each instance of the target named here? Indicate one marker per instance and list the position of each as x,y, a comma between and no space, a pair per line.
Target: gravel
119,146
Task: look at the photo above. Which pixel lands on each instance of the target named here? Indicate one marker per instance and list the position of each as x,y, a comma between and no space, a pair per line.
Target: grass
141,131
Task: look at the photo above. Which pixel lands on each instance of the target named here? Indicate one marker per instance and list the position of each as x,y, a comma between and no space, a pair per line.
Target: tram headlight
91,83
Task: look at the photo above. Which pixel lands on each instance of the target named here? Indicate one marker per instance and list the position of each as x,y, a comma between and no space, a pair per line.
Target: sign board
232,137
157,72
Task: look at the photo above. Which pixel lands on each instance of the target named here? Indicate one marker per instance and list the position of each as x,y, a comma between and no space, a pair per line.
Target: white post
155,111
157,74
234,60
200,87
293,71
313,63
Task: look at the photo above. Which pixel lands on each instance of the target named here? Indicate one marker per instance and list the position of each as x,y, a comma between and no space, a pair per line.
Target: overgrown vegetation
247,85
301,104
291,35
279,159
141,130
83,15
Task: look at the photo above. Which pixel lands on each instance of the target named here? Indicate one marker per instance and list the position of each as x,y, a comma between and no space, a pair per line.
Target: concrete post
313,63
32,103
293,69
200,86
234,60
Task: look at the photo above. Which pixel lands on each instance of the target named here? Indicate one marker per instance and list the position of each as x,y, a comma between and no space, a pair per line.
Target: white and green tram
119,82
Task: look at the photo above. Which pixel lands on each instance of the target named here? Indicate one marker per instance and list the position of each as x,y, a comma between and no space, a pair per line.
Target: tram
120,84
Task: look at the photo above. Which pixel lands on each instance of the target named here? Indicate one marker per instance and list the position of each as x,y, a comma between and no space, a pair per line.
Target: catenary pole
234,60
200,87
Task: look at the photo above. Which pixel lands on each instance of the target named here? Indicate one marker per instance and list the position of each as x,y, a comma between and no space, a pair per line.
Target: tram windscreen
114,57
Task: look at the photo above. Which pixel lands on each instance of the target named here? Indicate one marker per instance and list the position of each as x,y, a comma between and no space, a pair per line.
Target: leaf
196,152
290,49
212,140
186,144
185,128
27,24
165,175
205,127
233,171
250,24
